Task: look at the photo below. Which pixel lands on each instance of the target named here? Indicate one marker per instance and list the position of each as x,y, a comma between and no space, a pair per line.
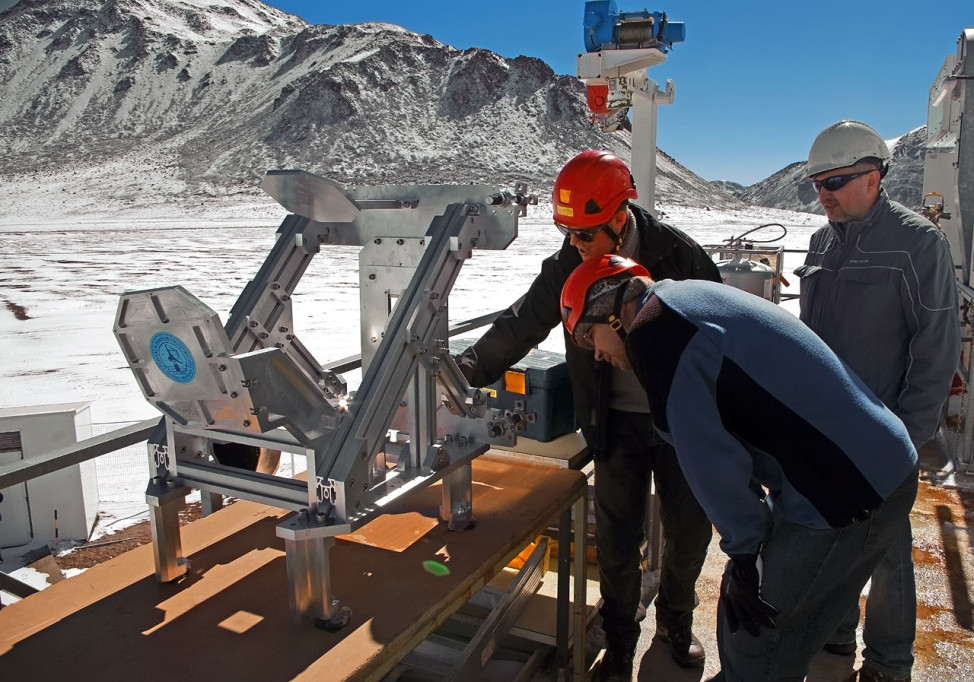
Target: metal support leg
651,560
457,500
210,502
571,564
654,530
167,549
309,574
309,578
564,572
580,599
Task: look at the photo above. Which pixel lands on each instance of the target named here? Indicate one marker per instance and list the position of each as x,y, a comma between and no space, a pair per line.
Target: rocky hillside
729,186
108,105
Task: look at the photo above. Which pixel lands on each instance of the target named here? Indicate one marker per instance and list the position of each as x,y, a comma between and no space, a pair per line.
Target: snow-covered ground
64,279
67,279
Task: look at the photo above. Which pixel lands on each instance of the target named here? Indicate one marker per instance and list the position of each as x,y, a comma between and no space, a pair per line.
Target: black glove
740,590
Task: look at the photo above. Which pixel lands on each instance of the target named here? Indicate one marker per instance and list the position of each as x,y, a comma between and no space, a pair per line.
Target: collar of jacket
654,242
844,231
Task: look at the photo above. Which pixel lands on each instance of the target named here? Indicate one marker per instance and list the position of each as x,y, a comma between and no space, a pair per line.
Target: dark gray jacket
664,250
882,294
745,392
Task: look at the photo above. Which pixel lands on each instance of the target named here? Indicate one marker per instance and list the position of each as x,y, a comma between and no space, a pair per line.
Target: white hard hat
845,143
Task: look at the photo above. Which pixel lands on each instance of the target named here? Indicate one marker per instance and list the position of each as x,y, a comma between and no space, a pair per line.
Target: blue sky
755,81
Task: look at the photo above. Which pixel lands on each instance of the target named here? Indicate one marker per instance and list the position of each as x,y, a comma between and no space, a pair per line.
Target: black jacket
664,250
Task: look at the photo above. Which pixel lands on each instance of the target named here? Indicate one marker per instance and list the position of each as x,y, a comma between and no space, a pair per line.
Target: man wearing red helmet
592,208
749,397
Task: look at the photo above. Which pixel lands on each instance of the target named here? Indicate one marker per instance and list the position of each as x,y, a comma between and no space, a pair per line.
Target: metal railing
139,432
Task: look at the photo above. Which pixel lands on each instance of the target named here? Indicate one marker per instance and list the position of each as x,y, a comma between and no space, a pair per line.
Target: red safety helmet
574,294
590,188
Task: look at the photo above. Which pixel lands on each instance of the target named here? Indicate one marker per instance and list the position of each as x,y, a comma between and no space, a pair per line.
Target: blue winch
608,28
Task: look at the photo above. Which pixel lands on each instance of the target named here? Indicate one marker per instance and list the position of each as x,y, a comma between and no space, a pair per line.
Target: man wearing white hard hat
878,286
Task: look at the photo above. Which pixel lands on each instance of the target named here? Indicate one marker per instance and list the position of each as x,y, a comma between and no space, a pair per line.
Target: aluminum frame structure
949,171
253,381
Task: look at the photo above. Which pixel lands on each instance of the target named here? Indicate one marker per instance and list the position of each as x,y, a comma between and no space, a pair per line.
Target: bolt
377,241
275,286
222,368
262,335
246,422
253,323
372,276
255,411
282,328
400,242
233,394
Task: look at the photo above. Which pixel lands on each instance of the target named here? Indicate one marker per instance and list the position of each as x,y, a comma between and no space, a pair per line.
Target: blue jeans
811,576
891,607
622,478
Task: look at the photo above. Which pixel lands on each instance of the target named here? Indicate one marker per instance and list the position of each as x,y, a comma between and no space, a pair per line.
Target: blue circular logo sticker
173,357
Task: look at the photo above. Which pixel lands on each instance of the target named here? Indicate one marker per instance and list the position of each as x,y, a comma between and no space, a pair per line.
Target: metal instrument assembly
412,421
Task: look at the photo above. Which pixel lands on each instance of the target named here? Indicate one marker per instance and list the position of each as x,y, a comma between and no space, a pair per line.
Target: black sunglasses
581,235
837,182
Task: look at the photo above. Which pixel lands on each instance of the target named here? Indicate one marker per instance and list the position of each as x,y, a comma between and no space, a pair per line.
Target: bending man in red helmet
748,395
591,206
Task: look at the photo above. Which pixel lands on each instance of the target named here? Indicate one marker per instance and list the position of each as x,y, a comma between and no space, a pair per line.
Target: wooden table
229,618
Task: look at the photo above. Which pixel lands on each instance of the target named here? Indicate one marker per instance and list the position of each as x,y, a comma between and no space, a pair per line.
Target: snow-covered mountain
107,105
114,107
